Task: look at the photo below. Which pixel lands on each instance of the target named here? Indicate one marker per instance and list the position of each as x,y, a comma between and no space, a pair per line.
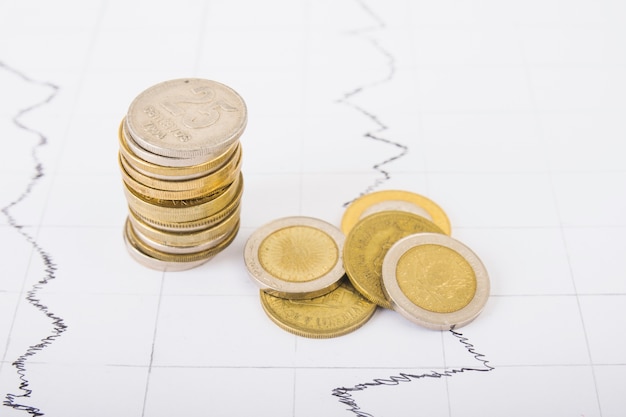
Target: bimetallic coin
295,257
355,210
185,118
336,313
435,281
367,244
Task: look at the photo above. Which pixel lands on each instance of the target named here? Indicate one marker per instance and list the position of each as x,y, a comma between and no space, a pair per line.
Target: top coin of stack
180,160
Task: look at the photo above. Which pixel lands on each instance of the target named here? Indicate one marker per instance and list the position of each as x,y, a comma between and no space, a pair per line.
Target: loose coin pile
297,263
397,253
180,160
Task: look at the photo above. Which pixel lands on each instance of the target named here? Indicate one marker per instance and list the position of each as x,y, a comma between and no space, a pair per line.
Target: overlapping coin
397,254
398,200
367,244
435,281
339,312
296,257
180,161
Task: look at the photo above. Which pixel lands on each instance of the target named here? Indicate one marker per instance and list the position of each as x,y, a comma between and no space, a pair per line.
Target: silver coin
157,264
186,118
435,281
296,257
177,250
160,159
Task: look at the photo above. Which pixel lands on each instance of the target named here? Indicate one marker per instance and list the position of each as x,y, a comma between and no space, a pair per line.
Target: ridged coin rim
288,325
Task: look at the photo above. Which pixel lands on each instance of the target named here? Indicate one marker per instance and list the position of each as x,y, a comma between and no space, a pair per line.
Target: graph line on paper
32,296
345,394
375,134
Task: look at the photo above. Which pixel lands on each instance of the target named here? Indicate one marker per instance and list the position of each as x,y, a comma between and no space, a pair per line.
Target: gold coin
367,244
336,313
189,227
360,206
164,211
435,281
183,239
295,257
219,179
178,250
170,172
151,252
154,263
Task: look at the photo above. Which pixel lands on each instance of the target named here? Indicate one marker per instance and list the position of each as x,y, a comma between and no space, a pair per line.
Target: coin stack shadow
182,211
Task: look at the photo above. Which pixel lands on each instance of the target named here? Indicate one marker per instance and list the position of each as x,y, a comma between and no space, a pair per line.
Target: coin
164,172
336,313
295,257
227,177
165,248
185,118
183,238
154,263
356,209
204,210
435,281
367,243
151,252
165,161
210,180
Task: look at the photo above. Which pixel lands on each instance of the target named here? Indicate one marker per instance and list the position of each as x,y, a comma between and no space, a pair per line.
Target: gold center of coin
298,253
436,278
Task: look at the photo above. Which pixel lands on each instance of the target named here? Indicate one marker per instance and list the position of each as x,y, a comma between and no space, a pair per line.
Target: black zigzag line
344,394
32,296
375,134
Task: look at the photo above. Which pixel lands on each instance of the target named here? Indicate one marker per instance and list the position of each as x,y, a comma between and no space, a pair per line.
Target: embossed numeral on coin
198,109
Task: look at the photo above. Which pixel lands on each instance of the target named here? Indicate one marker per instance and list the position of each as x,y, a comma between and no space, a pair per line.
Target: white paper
509,115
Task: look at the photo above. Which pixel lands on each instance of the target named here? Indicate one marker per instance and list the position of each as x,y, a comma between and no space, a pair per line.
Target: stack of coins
397,253
180,160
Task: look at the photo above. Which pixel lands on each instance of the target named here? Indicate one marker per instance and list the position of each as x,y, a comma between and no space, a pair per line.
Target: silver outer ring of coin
159,159
293,290
418,315
157,264
186,117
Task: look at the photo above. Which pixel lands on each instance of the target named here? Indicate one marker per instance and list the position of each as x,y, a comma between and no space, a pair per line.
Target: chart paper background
509,115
